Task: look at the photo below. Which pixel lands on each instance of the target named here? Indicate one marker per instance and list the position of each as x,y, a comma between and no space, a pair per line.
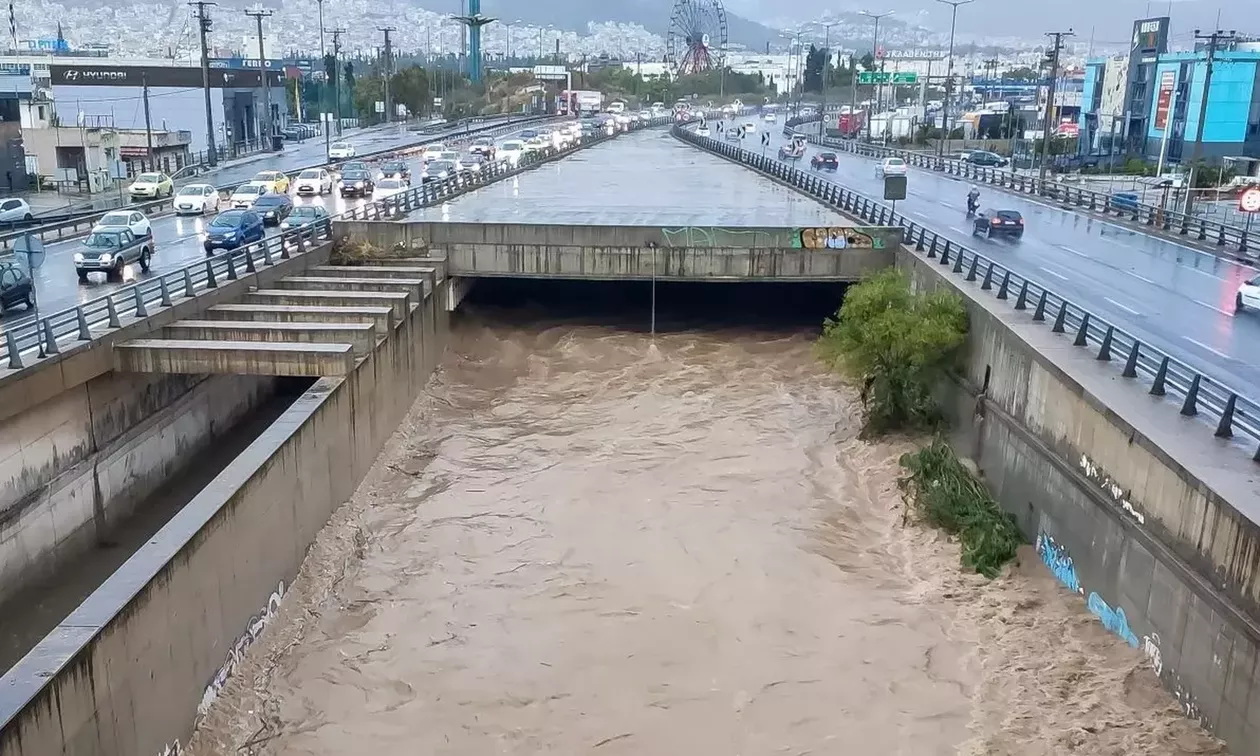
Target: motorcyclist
973,199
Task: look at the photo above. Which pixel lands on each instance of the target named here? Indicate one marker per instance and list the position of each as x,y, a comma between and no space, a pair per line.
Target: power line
1213,40
1053,58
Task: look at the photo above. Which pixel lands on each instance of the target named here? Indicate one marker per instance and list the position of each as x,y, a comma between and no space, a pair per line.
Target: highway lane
641,178
178,242
1167,294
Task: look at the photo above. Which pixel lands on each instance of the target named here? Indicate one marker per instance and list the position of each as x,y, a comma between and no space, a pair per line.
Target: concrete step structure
416,287
398,301
360,335
382,317
234,357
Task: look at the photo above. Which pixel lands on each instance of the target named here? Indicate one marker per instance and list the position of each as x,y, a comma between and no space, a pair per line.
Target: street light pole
879,87
822,125
949,72
322,52
203,26
264,123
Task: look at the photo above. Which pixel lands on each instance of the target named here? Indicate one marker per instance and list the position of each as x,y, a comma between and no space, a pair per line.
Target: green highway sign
885,77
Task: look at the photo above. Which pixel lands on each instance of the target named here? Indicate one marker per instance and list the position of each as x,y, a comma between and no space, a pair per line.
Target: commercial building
1150,100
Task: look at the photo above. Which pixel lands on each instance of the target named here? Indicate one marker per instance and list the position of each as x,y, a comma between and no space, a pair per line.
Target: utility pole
875,57
203,24
822,109
337,75
264,123
322,53
1214,41
1046,135
388,70
148,119
949,73
991,65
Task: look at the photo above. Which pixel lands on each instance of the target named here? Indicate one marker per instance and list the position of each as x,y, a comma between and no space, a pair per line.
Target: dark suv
1004,223
987,159
824,161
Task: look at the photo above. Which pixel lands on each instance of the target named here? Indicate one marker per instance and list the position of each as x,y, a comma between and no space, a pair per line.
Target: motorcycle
973,205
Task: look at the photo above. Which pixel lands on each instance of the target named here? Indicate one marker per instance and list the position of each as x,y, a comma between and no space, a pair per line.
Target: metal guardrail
1234,415
1154,216
52,334
75,225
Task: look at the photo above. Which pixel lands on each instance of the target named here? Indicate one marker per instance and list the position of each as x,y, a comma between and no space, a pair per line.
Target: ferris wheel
697,36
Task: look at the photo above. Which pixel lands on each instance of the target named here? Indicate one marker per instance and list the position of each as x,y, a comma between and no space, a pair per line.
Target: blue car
234,229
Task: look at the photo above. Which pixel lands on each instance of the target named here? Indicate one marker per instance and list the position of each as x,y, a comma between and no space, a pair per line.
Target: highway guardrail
1234,415
81,223
1156,217
50,335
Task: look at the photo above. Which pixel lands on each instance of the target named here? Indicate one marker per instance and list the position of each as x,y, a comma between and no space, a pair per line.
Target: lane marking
1204,272
1124,307
1143,279
1212,307
1069,249
1055,273
1213,350
918,214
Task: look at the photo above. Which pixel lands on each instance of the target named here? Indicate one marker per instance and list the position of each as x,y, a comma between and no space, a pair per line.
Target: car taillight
1020,222
997,221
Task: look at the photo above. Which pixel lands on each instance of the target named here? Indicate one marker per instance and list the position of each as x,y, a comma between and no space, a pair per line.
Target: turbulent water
585,540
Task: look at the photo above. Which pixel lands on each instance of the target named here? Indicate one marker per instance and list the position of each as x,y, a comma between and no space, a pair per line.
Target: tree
410,86
814,61
898,345
1022,74
350,75
868,62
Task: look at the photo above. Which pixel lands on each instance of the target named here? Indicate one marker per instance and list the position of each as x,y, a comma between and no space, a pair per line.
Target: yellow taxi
275,181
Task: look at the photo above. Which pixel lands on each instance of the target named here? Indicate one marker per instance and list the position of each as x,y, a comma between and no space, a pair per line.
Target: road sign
874,77
380,106
1249,201
31,246
905,77
765,138
894,187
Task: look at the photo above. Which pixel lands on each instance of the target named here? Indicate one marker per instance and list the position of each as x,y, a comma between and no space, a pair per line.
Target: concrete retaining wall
76,465
124,675
694,253
1127,508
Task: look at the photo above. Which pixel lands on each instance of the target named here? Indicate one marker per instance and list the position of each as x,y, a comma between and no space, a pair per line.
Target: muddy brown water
588,541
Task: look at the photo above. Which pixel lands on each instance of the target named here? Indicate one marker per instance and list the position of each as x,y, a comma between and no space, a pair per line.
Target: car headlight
358,184
284,226
78,257
105,258
228,234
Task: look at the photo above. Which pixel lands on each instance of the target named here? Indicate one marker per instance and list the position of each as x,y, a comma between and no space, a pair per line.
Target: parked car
827,161
341,151
356,184
246,195
995,223
110,252
15,287
275,181
233,229
197,199
133,220
313,181
151,186
273,208
304,215
15,210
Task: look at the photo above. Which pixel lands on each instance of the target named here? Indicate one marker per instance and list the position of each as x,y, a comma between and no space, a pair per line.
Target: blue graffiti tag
1059,562
1112,619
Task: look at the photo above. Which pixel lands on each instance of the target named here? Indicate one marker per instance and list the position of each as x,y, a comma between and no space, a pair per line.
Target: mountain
654,15
1110,21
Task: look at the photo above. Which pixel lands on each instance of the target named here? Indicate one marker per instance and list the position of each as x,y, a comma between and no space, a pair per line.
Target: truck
110,252
848,124
579,102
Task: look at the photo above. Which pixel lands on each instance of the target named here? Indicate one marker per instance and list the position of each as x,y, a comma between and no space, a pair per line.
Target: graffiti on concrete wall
1112,619
174,749
1100,478
1059,562
1150,648
714,236
835,237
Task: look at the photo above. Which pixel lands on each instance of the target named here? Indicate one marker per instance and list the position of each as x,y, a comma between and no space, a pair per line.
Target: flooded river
585,540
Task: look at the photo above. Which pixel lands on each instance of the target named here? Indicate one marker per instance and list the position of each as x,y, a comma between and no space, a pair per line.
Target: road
1167,294
643,178
178,244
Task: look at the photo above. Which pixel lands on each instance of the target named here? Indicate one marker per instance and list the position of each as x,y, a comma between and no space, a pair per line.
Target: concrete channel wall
126,672
693,253
1127,508
79,463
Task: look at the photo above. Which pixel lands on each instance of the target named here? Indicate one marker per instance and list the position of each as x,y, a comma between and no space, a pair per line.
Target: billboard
1163,101
1150,36
157,76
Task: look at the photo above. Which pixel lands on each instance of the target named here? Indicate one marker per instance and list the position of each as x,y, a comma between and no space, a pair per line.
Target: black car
824,161
354,165
273,208
395,169
438,170
988,159
1003,223
356,183
15,287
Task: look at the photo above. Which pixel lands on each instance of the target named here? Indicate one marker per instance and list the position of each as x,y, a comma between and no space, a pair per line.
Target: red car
824,160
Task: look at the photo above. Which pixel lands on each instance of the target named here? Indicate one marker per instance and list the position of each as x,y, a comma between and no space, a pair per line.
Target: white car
247,194
196,199
511,151
703,131
313,181
13,210
890,167
341,151
388,186
623,121
750,128
1248,296
770,118
132,220
433,151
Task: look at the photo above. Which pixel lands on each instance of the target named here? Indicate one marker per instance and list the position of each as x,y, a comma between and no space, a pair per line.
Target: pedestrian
8,177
